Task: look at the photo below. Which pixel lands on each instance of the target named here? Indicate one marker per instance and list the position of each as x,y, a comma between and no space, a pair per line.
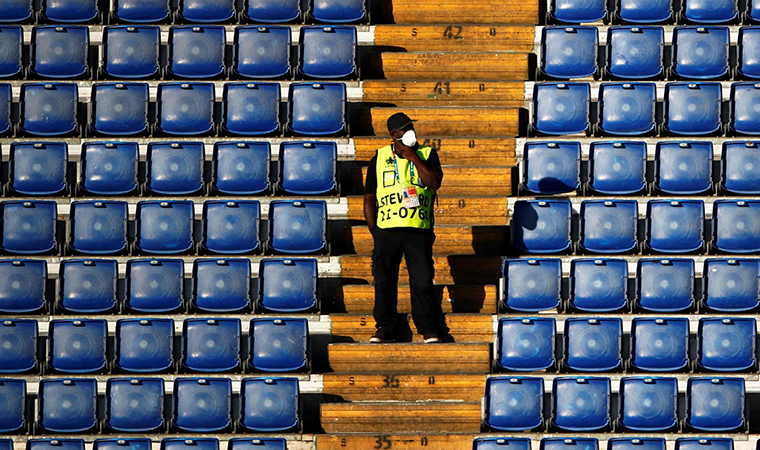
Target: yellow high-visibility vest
391,212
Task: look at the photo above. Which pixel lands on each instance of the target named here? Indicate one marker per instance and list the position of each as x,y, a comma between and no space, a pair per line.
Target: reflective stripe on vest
391,212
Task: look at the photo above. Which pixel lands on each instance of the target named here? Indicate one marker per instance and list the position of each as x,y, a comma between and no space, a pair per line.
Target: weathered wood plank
449,240
444,93
397,442
448,66
454,269
360,299
461,12
456,38
443,121
424,417
462,327
410,358
372,387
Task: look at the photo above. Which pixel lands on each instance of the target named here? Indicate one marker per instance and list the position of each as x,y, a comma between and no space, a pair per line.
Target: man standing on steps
402,180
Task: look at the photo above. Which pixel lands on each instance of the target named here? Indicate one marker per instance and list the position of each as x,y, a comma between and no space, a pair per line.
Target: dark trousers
416,246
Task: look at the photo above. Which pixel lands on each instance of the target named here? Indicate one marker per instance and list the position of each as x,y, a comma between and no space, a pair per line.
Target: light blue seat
221,285
675,226
496,443
738,163
635,53
683,168
659,345
130,51
745,98
278,345
692,109
578,11
748,49
593,345
59,51
561,108
67,406
736,226
715,404
331,11
29,227
636,444
202,405
317,109
731,285
726,345
134,405
665,285
551,167
185,109
569,52
297,227
598,285
541,226
87,286
261,51
98,227
38,168
648,404
119,109
581,404
144,345
154,285
287,285
48,109
241,168
251,109
269,405
700,52
109,168
211,345
231,226
617,168
18,350
196,51
653,11
175,168
308,168
710,11
22,285
627,108
526,345
514,403
609,226
327,52
532,284
164,227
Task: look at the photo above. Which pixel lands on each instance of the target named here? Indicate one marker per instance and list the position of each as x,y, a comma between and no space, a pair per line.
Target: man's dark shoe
432,338
381,336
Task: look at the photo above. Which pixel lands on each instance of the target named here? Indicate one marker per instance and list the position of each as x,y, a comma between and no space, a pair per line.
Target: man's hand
404,151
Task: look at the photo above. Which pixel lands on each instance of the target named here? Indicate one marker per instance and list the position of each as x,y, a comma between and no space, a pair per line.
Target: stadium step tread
360,298
416,387
443,121
449,240
397,442
447,92
462,327
458,12
410,358
455,38
430,417
452,210
449,65
464,151
452,269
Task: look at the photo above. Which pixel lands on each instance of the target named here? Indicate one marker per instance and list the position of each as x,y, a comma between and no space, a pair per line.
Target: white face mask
409,138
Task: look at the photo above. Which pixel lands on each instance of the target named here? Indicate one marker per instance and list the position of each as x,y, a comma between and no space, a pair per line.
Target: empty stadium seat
683,167
130,51
154,285
38,168
569,52
635,52
221,285
514,403
700,52
665,285
77,346
251,109
59,51
48,109
189,444
298,226
308,168
257,444
211,345
272,11
648,404
98,227
704,443
175,168
164,226
659,345
287,285
278,345
726,345
185,108
11,42
636,444
140,11
241,168
327,52
692,109
715,404
6,101
109,168
261,51
561,108
526,345
29,227
745,98
269,405
598,285
144,345
87,286
532,284
231,226
710,11
593,345
22,285
18,348
52,444
196,51
119,109
202,405
675,226
331,11
609,226
581,404
206,11
497,443
70,10
134,405
551,167
16,10
541,226
731,285
627,108
617,168
653,11
67,406
13,401
739,163
578,11
122,444
317,109
736,226
748,49
569,444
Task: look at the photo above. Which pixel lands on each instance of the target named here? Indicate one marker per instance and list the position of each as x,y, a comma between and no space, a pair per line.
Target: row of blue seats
130,52
654,11
78,346
175,443
633,443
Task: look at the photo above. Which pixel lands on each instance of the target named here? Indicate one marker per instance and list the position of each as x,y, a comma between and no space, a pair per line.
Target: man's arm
430,171
370,210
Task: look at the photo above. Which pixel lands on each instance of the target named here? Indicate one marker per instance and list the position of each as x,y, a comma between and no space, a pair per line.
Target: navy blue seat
211,345
15,11
22,285
241,168
327,52
704,444
70,10
659,345
206,11
48,109
715,404
29,226
541,226
627,108
551,167
297,227
130,51
748,49
569,444
122,444
514,403
278,345
578,11
731,285
739,163
617,168
18,347
317,109
272,11
87,286
189,444
581,404
683,167
692,109
561,108
736,226
119,109
185,108
251,109
269,405
144,345
675,226
496,443
11,41
636,444
648,404
665,285
308,168
257,444
109,168
569,52
261,51
59,51
196,51
287,285
745,98
164,227
332,11
154,285
726,345
77,346
231,226
140,11
38,168
98,227
52,444
6,100
175,168
700,52
134,405
609,226
598,285
221,285
635,52
526,345
202,405
710,11
653,11
67,406
532,284
13,410
593,345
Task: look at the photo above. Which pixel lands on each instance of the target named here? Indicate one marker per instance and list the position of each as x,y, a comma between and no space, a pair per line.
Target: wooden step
448,38
462,327
378,417
360,298
449,240
396,442
460,181
454,269
444,93
410,358
448,66
458,11
462,151
373,387
443,121
452,210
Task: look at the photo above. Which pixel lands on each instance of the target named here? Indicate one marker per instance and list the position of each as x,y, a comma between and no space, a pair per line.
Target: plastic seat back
98,227
532,284
726,345
648,404
561,108
18,349
134,405
627,108
617,168
700,52
731,285
710,11
569,444
87,286
653,11
581,404
636,444
551,167
130,51
48,109
185,108
70,10
196,51
38,168
541,226
526,345
11,42
164,227
514,403
659,345
278,345
635,52
211,345
738,163
202,405
6,101
665,285
331,11
144,345
154,285
327,52
715,404
221,285
109,168
122,444
308,168
609,226
257,444
492,443
52,444
598,285
569,52
77,346
141,11
745,97
297,226
287,285
67,406
59,51
22,285
748,48
269,405
272,11
175,168
317,109
120,109
241,168
206,11
231,226
593,345
683,168
13,401
15,11
736,226
251,109
578,11
189,444
704,444
692,109
29,227
262,51
675,226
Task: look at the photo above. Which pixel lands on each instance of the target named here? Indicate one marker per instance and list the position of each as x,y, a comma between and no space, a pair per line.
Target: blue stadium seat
609,226
317,109
202,405
627,108
175,168
598,285
526,345
53,444
561,108
726,345
287,285
22,285
692,109
29,226
272,11
581,404
532,284
675,226
154,285
6,101
70,10
704,444
617,168
569,444
15,11
748,49
745,99
332,11
569,52
648,404
221,285
736,226
144,345
11,41
251,109
196,51
541,226
593,345
141,11
308,168
185,108
327,52
514,403
731,285
241,168
278,345
269,405
710,11
122,444
59,51
659,345
665,285
98,227
739,163
578,11
211,345
119,109
636,444
130,51
67,406
109,168
38,168
231,226
18,347
635,52
700,52
87,286
164,226
77,346
206,11
261,51
182,443
652,11
683,168
12,406
496,443
715,404
551,167
297,227
48,109
257,444
134,405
